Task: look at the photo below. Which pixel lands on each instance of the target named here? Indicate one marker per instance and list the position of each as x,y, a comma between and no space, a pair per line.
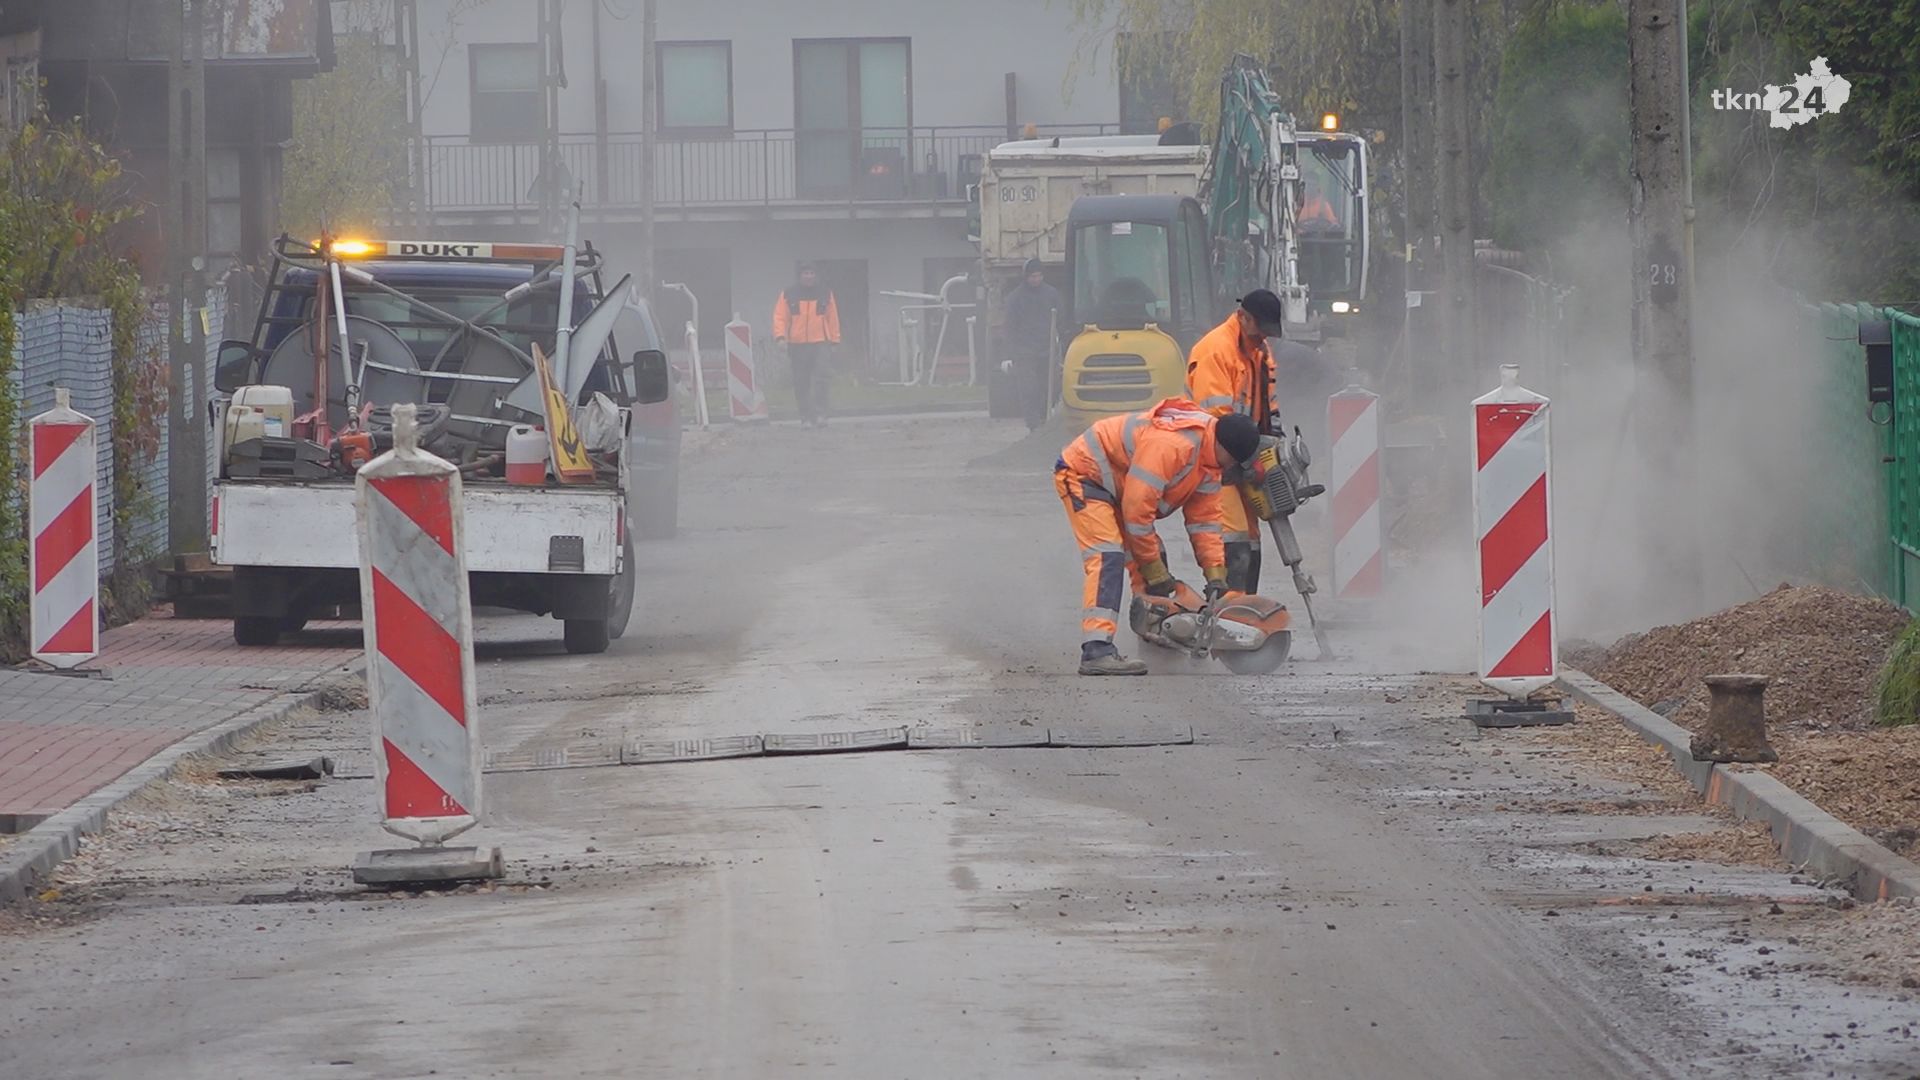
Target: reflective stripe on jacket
1222,377
804,319
1150,464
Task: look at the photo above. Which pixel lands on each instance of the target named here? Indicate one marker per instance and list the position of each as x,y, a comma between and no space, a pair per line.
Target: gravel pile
1821,647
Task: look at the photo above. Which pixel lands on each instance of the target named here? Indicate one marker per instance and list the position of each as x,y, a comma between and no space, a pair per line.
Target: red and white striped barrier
63,562
744,399
1353,424
1512,511
419,633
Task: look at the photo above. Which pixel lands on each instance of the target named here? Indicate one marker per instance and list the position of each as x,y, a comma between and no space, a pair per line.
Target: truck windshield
1121,276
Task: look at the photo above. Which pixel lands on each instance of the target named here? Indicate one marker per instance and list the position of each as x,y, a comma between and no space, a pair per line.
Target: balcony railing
743,170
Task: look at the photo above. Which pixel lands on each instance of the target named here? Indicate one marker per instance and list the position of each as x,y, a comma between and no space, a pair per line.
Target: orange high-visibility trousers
1103,557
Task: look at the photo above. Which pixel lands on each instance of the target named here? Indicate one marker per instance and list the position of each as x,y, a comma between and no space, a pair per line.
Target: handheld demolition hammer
1275,485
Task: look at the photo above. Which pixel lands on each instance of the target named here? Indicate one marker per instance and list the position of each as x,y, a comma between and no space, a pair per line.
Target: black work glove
1162,588
1216,591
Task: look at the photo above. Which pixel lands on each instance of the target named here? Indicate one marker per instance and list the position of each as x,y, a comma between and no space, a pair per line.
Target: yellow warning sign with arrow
570,461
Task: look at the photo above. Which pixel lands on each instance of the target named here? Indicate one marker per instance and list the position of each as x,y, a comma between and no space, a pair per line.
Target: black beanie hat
1238,436
1034,266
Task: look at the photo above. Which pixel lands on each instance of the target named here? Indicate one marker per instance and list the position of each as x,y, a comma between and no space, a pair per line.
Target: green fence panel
1846,510
1903,495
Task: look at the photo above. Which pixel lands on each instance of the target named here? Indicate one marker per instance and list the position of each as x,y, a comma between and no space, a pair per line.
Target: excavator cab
1142,296
1332,227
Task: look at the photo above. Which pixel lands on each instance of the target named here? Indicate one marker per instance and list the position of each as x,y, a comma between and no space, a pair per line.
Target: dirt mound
1820,646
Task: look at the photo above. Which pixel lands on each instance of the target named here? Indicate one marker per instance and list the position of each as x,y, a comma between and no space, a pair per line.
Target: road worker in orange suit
1230,373
806,319
1118,478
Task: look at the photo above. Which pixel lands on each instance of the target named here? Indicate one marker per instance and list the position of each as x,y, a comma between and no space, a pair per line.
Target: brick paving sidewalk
64,737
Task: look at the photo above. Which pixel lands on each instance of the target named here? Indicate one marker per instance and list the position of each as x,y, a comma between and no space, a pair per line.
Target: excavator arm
1252,192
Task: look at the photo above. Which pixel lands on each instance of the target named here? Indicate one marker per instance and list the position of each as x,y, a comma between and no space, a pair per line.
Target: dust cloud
1644,536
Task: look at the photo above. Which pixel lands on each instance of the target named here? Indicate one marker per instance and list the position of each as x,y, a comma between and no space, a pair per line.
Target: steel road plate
533,758
837,742
1095,737
660,751
974,738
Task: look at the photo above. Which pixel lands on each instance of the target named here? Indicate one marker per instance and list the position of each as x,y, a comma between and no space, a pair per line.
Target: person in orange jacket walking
807,321
1230,373
1118,478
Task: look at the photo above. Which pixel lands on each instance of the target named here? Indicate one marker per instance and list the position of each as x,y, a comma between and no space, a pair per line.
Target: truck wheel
256,630
658,504
586,637
620,603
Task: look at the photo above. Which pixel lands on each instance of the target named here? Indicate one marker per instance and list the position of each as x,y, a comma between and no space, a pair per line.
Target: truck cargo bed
509,529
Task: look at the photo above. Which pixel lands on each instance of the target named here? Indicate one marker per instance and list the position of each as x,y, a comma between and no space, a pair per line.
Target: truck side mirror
233,366
651,382
1877,339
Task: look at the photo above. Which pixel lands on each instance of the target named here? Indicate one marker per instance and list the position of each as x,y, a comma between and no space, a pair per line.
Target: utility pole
1452,29
649,86
549,182
1417,175
186,269
1660,218
406,38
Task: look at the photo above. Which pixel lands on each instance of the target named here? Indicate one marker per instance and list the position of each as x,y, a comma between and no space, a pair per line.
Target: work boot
1101,658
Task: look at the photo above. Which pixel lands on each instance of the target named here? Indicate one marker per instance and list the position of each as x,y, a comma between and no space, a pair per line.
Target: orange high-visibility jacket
1153,463
805,320
1316,208
1224,378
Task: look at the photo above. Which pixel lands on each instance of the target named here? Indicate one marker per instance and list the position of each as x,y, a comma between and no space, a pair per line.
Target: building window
1149,85
853,111
506,101
695,87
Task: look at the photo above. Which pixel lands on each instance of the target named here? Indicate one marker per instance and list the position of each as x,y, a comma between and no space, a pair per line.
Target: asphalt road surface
1302,892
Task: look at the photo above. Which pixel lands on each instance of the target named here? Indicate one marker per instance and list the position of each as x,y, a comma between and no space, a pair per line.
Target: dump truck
1027,191
513,355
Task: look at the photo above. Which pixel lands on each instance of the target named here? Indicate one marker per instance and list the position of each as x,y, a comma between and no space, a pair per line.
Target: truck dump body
1028,188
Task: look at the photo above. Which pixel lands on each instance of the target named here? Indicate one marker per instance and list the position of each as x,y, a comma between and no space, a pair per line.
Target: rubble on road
1822,648
1869,945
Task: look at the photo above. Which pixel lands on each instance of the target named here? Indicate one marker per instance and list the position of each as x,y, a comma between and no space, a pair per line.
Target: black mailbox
1877,339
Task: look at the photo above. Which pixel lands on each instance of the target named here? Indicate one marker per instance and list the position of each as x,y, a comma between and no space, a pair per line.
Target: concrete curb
38,850
1807,835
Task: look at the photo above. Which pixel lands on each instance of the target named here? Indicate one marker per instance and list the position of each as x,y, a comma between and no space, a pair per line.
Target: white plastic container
243,423
527,453
273,403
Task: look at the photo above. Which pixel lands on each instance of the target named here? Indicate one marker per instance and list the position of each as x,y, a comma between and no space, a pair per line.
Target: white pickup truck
451,326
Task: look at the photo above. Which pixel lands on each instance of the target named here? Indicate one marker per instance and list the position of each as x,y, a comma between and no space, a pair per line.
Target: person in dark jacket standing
807,321
1035,311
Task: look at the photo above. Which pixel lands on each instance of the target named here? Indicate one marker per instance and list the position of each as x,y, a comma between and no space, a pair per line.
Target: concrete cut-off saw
1249,633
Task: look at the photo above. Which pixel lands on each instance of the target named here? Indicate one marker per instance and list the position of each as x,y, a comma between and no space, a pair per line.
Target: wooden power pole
1660,219
1452,31
186,276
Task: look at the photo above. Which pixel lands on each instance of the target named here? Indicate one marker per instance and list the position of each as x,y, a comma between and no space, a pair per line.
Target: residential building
106,62
845,132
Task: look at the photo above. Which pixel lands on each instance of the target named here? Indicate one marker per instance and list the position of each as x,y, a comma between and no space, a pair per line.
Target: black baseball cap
1267,311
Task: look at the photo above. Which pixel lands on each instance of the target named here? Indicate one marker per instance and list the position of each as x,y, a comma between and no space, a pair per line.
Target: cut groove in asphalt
603,754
